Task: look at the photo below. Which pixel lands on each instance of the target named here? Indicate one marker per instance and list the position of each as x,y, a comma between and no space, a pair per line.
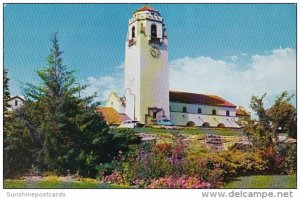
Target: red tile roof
111,116
195,98
146,8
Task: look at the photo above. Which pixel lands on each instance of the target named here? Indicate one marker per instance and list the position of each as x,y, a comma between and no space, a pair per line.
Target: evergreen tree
56,102
6,97
58,131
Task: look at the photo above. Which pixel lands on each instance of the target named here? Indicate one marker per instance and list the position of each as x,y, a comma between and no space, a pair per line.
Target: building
15,102
194,109
114,110
146,89
146,66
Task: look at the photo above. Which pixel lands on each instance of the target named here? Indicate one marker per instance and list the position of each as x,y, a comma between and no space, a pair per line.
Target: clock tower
146,67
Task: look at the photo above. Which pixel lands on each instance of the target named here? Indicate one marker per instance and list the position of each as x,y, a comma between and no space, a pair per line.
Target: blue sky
231,50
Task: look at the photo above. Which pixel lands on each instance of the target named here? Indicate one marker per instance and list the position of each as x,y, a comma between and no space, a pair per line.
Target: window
199,110
16,102
153,30
133,32
184,109
227,113
214,112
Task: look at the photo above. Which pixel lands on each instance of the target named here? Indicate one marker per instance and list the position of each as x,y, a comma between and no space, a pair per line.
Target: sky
231,50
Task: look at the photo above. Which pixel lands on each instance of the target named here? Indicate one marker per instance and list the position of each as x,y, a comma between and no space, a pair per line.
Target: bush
289,152
223,166
247,163
275,162
156,166
124,141
183,182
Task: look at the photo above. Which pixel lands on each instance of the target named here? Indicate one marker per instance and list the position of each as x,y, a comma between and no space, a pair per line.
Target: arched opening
184,109
199,110
206,124
221,125
133,32
214,112
153,30
227,113
190,124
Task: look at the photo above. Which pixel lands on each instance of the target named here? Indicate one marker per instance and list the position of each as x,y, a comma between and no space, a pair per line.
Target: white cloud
104,85
271,74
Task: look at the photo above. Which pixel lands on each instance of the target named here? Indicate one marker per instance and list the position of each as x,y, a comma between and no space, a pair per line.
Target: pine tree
56,101
60,130
6,97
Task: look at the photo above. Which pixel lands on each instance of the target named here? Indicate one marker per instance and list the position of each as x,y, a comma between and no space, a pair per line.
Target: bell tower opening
153,30
133,32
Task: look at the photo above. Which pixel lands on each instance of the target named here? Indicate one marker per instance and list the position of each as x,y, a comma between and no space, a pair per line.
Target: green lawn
198,131
258,182
50,184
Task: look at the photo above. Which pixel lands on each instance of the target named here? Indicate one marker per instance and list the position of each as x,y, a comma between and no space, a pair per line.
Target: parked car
129,124
164,122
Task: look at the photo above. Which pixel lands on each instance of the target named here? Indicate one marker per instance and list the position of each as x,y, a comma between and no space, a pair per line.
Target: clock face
155,52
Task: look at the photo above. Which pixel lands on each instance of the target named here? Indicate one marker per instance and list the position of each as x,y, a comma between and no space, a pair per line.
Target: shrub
274,162
246,163
223,166
289,152
182,182
115,178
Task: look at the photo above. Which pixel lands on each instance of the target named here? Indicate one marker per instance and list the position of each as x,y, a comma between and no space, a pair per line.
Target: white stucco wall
115,102
12,103
183,118
180,118
193,108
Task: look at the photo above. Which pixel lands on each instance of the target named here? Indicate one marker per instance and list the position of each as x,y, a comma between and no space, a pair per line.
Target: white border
129,193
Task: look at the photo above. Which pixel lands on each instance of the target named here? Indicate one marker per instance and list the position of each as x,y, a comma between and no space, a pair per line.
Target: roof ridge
190,93
197,98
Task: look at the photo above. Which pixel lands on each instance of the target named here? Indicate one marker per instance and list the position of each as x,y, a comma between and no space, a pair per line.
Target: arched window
153,30
227,113
184,109
133,32
214,112
199,110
